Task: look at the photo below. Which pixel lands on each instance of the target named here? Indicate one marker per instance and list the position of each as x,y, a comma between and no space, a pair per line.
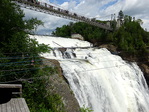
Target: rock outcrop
57,84
77,36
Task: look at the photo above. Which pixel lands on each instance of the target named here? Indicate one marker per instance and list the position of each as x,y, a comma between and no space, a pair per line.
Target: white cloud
139,9
136,7
94,8
69,5
146,24
65,5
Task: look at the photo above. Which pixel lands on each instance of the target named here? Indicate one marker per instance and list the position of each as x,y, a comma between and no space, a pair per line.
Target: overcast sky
101,9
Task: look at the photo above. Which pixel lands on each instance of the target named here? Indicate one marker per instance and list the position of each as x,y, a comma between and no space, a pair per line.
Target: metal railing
56,11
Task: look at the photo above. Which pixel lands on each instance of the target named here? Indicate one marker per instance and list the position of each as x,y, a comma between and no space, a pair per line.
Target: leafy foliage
90,33
17,49
120,15
19,58
83,109
130,37
13,29
37,97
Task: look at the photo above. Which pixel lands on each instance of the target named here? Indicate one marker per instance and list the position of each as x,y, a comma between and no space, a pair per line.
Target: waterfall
99,80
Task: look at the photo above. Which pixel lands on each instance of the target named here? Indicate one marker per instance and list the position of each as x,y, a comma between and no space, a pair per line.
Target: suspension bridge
59,12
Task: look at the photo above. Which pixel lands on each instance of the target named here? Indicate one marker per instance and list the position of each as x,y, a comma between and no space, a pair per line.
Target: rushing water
100,80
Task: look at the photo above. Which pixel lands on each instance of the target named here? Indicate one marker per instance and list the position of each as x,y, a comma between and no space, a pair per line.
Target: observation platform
11,98
15,105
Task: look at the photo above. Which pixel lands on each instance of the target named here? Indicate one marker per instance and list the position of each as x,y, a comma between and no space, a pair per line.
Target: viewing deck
15,105
11,98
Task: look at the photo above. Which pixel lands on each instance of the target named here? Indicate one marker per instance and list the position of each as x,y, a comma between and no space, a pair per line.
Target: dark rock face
57,84
145,69
111,48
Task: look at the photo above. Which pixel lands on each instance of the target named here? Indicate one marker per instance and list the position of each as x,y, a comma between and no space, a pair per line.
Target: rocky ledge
57,84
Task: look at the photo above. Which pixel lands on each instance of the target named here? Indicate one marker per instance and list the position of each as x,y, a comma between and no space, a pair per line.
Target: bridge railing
53,10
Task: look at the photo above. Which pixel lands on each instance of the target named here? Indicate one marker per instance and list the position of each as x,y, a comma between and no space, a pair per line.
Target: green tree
14,29
15,42
131,37
19,58
139,21
120,15
90,33
113,24
126,19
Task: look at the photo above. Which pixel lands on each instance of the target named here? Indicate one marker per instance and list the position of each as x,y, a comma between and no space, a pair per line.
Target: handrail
56,11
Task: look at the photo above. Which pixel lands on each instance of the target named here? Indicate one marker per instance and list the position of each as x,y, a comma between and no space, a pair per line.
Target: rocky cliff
57,84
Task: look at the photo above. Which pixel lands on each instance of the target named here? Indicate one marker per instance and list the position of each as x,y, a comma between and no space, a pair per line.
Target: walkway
56,11
14,105
9,101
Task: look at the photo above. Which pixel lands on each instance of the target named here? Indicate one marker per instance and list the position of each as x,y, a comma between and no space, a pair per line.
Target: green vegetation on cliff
90,33
38,98
130,37
20,61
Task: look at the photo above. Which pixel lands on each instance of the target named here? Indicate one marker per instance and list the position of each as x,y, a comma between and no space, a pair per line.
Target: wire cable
3,64
23,71
43,77
26,79
89,70
18,57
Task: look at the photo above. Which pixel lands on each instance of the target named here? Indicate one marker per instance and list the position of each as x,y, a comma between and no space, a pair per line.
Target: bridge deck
49,9
15,105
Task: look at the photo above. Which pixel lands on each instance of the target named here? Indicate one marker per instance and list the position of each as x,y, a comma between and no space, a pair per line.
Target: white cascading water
100,80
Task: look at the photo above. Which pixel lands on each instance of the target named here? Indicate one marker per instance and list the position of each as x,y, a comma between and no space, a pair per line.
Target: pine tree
121,15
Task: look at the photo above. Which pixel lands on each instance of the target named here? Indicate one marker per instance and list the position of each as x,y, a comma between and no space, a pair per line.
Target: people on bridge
93,20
